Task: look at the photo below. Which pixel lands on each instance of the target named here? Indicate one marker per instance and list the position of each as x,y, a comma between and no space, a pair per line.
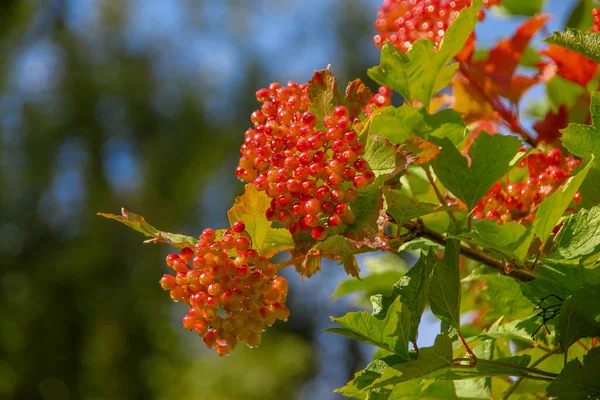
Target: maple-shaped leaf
251,208
495,75
138,223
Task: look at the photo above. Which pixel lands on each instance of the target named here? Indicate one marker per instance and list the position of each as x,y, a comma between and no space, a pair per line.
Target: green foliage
491,157
585,43
390,331
578,381
579,236
581,17
584,141
421,72
510,241
399,123
403,208
579,316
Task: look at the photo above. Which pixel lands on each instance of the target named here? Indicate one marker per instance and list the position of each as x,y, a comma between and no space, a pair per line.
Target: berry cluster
596,17
311,175
518,201
404,21
233,292
382,98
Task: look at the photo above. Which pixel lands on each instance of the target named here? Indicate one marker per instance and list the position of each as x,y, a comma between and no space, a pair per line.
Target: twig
289,262
438,193
420,230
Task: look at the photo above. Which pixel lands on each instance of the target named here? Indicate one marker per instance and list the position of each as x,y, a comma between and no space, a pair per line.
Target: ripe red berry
239,227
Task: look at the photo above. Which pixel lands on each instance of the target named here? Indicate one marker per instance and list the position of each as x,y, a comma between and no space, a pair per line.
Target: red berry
239,227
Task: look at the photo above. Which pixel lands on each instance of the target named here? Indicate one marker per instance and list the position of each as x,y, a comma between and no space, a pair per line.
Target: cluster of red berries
518,201
233,292
404,21
311,175
596,18
382,98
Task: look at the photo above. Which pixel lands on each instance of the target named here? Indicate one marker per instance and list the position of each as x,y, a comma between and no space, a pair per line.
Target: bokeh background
143,104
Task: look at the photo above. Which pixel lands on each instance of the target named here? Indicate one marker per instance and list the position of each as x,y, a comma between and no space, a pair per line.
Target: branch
422,231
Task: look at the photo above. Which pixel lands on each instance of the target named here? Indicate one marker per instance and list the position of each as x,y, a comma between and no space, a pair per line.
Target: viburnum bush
504,216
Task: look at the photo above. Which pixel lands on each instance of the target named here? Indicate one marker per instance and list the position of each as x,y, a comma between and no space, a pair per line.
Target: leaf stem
419,229
535,364
289,262
465,345
529,370
439,194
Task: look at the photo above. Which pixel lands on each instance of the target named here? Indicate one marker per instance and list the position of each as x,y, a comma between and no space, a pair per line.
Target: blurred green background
142,104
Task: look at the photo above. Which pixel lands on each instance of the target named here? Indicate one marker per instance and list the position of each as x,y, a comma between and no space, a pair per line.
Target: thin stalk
438,194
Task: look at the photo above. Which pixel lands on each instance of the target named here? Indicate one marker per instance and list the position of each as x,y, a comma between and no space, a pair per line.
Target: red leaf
422,150
571,65
549,129
357,97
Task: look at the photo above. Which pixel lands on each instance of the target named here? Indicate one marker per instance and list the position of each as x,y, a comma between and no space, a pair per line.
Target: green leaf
403,208
501,367
369,210
477,388
561,279
323,94
490,155
519,7
400,123
413,289
579,236
503,294
415,75
357,97
581,17
520,330
138,223
390,332
384,271
578,316
431,360
552,209
578,381
584,141
364,378
584,43
511,240
384,158
251,209
444,288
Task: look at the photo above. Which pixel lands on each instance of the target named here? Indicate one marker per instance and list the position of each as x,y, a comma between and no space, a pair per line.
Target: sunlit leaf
251,209
138,223
403,208
490,160
584,43
323,93
357,97
384,158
